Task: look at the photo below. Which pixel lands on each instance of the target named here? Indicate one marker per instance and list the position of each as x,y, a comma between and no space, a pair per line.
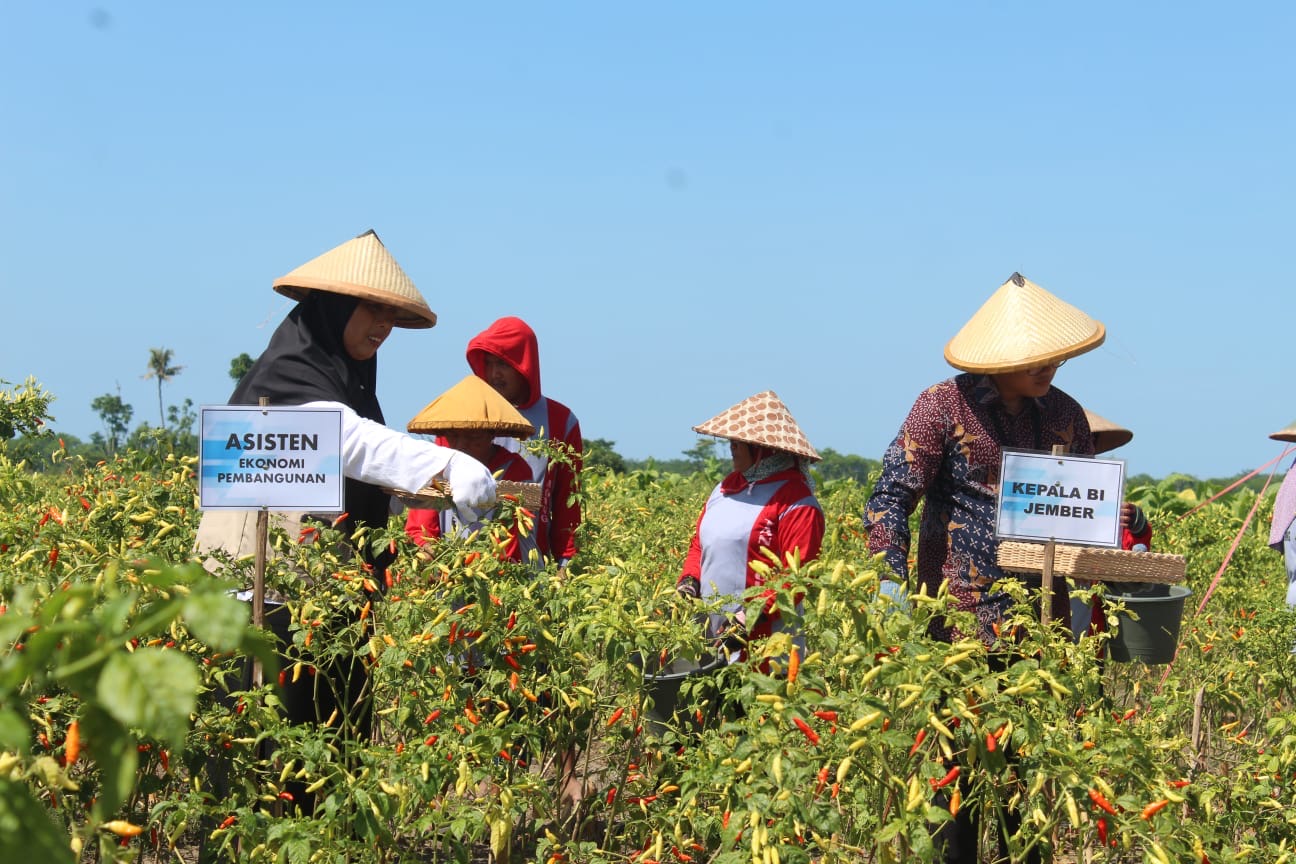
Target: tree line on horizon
176,429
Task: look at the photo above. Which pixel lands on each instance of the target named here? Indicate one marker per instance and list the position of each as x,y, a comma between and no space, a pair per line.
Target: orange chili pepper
72,746
794,665
1155,807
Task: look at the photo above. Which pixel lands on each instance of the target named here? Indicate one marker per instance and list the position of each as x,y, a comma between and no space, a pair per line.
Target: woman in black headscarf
324,354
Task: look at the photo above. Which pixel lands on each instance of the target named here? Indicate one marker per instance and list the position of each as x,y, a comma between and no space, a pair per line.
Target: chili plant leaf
154,690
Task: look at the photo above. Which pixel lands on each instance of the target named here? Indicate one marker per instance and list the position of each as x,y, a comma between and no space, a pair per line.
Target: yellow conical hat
1106,434
1288,434
361,268
471,404
1022,326
760,419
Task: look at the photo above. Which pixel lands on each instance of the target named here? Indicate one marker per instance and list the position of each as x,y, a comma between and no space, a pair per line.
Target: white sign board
1071,499
271,458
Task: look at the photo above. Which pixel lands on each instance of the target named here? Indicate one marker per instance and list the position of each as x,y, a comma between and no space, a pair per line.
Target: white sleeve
373,453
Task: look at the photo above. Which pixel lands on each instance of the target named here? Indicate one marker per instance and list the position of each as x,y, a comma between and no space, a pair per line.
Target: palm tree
159,366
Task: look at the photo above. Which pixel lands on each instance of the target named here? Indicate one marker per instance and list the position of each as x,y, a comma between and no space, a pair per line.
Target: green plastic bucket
1154,637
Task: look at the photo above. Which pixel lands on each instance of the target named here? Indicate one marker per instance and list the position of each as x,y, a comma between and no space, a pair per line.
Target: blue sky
689,202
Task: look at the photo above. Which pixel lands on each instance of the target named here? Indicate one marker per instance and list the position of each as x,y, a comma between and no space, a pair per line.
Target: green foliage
600,455
23,409
240,365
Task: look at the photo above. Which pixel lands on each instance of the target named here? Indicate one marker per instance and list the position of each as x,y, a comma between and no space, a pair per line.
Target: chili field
129,731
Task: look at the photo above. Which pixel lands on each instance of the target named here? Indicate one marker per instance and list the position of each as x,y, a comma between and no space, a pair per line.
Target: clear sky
689,202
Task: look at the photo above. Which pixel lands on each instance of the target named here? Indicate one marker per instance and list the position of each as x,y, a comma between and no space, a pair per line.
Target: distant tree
180,426
835,465
702,455
116,417
600,455
159,367
240,365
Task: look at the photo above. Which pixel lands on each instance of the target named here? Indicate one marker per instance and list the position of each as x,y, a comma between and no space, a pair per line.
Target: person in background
467,418
507,356
324,354
1282,532
947,454
767,501
1136,532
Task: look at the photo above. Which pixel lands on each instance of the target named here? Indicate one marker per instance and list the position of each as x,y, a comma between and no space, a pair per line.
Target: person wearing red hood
506,355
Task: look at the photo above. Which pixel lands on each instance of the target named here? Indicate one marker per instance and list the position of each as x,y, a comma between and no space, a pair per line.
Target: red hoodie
514,342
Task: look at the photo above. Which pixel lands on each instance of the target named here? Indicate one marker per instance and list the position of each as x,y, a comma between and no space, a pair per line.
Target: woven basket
1098,565
437,495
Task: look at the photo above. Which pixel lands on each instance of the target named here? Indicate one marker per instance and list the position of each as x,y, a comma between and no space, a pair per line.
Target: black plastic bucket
1154,637
662,685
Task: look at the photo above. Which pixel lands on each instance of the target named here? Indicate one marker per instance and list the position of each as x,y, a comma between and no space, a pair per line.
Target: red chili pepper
513,681
512,661
436,712
1179,784
611,796
1154,808
228,821
724,821
53,556
430,740
950,777
821,780
85,505
342,517
918,740
811,735
165,759
512,621
1097,798
1102,831
992,743
827,716
616,715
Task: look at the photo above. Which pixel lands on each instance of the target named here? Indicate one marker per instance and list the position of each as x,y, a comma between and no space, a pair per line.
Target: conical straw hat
761,419
471,404
1022,326
1288,434
1106,434
361,268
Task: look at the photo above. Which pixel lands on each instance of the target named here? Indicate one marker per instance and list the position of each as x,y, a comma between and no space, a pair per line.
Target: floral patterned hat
1022,326
1288,434
1106,434
471,404
761,419
361,268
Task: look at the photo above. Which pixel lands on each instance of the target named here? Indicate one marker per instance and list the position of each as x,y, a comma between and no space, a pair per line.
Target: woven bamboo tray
437,495
1098,565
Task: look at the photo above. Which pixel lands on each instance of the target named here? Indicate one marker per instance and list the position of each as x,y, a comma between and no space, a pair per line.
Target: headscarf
307,362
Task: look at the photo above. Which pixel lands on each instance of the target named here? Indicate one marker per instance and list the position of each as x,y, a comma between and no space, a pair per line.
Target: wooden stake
1046,575
258,574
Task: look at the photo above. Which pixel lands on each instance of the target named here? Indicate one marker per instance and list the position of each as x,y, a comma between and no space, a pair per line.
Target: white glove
471,486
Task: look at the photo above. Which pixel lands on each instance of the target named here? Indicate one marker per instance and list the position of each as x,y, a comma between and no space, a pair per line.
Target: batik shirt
947,454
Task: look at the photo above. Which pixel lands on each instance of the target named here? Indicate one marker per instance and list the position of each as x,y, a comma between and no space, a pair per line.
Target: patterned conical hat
471,404
1022,326
361,268
761,419
1106,434
1288,434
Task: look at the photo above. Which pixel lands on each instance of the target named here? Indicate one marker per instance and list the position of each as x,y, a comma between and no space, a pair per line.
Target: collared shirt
947,454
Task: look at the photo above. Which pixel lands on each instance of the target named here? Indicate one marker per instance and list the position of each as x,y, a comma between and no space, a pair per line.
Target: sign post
1054,497
262,458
